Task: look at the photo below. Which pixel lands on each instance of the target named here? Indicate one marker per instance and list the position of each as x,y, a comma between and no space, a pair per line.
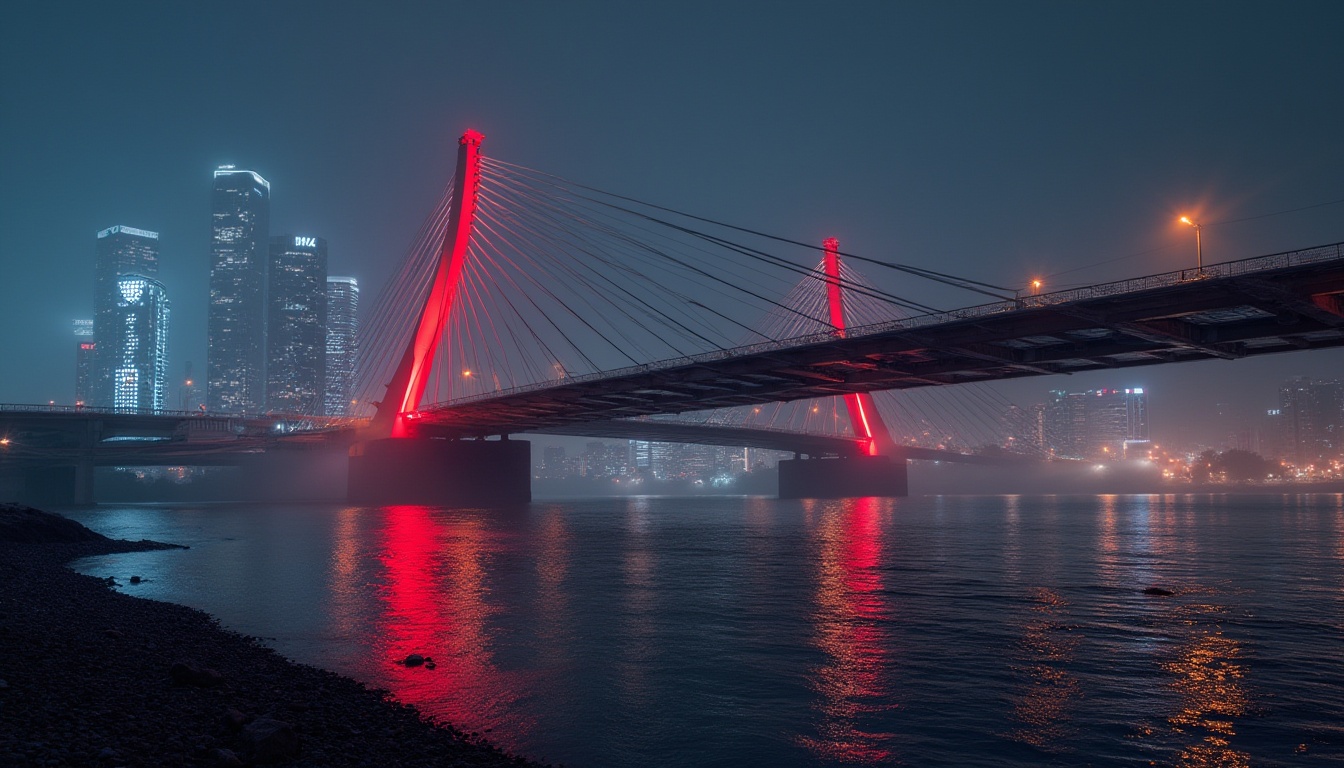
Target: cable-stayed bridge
529,303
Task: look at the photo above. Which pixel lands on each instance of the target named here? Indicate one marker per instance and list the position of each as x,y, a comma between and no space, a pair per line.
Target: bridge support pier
59,486
476,473
843,477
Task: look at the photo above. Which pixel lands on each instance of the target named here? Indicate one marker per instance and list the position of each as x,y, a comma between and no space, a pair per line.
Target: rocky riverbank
89,676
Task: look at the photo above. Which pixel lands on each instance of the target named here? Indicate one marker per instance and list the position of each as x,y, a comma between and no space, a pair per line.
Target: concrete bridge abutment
843,477
485,473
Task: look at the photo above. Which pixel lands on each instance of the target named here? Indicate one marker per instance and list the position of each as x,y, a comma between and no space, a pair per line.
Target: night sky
995,140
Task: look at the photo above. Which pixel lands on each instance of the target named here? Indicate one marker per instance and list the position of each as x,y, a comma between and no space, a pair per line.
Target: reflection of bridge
480,282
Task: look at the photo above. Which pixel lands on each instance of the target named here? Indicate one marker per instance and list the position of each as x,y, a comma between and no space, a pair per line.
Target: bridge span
1277,303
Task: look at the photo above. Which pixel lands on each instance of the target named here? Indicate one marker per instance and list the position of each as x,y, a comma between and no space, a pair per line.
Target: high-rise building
84,362
120,250
189,395
296,321
1096,424
342,343
240,219
1312,419
139,351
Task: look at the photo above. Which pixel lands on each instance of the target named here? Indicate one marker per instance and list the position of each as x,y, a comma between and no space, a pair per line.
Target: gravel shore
89,676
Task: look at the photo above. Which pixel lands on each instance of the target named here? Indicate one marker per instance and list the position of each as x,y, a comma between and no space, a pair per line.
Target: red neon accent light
863,416
412,376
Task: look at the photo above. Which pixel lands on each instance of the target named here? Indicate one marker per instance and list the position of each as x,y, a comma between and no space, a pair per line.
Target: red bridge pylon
863,416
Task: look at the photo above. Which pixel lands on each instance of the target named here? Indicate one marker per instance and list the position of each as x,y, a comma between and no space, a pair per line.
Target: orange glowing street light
1199,245
1036,287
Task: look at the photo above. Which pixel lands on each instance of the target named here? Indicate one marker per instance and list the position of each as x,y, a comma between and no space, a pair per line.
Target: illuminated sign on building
305,242
128,231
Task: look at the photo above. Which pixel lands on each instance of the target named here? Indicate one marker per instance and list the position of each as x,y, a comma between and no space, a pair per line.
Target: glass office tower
342,344
296,320
139,351
236,325
120,250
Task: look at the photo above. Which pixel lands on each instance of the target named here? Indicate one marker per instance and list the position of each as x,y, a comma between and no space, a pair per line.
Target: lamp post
1199,245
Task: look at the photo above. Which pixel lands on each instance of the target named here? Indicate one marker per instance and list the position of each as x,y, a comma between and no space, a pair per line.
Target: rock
189,674
135,579
270,740
224,758
234,720
1158,591
430,665
414,660
114,633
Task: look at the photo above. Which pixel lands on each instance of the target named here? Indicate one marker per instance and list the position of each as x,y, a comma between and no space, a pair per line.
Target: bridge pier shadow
843,477
440,472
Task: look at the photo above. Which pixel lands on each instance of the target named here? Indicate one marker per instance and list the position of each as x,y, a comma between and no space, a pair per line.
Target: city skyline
890,186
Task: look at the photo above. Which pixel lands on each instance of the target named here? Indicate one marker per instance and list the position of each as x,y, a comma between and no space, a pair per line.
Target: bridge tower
883,471
398,465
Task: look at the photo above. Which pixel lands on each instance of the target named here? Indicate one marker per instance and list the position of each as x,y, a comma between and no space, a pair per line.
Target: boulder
414,660
1158,591
270,740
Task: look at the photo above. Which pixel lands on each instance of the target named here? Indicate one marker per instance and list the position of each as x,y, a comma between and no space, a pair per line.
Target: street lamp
1036,287
1199,245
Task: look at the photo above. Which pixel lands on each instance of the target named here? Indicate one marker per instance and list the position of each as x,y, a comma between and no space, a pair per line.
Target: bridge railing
1225,269
293,422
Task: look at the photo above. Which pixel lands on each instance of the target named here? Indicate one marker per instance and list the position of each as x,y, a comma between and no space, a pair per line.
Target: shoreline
91,676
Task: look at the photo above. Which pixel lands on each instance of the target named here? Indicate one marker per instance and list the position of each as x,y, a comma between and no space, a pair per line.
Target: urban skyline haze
1003,142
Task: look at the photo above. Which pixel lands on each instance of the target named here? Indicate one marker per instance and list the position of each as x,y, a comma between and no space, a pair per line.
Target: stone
234,720
114,633
1158,591
414,660
135,579
270,740
225,758
430,665
183,673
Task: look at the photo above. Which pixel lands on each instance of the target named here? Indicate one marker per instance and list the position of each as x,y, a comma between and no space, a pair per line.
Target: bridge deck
1277,303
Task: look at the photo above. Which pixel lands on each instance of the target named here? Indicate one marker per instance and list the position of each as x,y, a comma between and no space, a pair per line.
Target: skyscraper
236,365
1097,424
120,251
84,349
342,343
139,352
296,321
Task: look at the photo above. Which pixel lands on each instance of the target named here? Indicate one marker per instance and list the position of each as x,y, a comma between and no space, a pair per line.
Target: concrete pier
843,478
440,472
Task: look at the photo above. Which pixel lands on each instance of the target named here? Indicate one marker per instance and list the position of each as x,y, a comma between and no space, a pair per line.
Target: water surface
730,631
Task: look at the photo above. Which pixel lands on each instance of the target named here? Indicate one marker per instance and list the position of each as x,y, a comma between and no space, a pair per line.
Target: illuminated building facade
296,321
120,250
236,324
84,362
1096,424
139,350
1310,420
342,343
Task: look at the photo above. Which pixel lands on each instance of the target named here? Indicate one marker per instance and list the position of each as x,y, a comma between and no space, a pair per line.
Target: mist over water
994,630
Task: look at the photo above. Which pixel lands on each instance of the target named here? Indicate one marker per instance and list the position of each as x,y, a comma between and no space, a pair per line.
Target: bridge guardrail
1318,254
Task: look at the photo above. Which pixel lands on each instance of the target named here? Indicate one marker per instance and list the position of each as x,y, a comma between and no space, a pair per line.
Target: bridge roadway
1276,303
63,435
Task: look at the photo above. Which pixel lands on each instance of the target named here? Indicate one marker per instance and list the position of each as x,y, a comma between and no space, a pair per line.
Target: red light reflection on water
851,614
435,594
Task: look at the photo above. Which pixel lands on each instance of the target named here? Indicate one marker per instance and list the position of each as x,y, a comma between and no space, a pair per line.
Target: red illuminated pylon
863,415
412,375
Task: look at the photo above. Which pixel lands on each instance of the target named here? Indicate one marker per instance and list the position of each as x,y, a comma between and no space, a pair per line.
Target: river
928,631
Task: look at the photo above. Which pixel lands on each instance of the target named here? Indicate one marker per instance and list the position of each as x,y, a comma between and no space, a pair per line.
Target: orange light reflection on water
1208,680
851,614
